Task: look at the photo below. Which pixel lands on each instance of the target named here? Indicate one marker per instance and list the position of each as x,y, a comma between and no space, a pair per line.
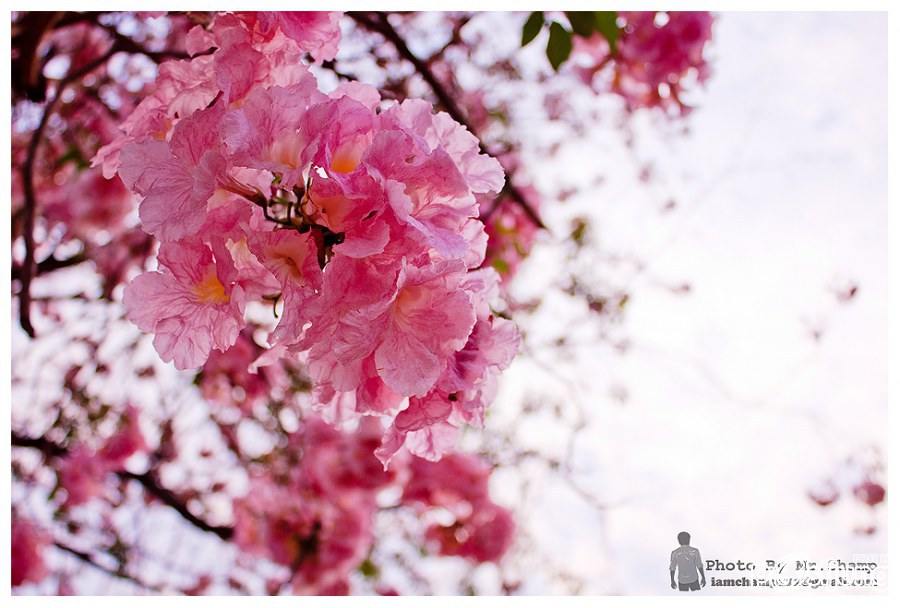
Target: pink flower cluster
482,530
655,53
28,542
359,216
312,507
511,233
226,378
83,471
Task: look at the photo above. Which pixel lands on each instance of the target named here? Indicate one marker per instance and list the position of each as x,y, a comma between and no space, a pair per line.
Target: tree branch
90,561
129,45
332,66
381,25
148,480
29,267
50,264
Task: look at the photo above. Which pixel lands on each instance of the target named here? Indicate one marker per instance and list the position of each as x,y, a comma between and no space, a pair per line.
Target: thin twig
29,267
117,573
52,263
455,38
331,65
130,45
147,480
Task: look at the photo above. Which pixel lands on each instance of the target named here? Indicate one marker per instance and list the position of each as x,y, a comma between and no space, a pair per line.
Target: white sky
733,410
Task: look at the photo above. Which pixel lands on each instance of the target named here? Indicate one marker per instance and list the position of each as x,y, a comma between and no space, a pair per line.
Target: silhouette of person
687,560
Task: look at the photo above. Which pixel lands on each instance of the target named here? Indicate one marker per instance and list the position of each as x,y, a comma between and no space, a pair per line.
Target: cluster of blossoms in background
311,507
650,59
861,476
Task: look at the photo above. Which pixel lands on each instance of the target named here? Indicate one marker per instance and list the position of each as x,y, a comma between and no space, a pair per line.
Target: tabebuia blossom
511,233
869,492
311,509
656,53
83,471
226,378
358,217
28,542
481,530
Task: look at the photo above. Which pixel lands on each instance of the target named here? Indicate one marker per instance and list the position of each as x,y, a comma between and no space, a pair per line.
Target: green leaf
605,23
532,27
559,46
583,22
500,266
368,568
73,155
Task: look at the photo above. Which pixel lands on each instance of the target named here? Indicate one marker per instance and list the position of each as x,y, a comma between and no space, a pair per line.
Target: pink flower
431,169
191,303
311,509
82,475
177,178
127,441
467,385
83,471
292,259
409,321
485,536
457,479
28,543
361,225
343,461
429,319
226,378
317,33
263,132
511,233
657,51
89,203
439,131
482,530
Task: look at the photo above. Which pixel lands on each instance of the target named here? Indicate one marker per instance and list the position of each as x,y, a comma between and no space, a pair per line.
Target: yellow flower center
346,159
210,290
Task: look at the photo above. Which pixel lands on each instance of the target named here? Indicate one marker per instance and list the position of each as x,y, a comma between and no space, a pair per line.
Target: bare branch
148,480
52,263
29,267
117,573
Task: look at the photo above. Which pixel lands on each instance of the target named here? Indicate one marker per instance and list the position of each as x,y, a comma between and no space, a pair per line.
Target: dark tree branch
90,561
130,45
50,264
380,24
27,33
455,38
332,66
29,268
148,480
170,499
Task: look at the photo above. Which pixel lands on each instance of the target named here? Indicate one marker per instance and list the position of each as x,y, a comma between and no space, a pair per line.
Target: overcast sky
733,408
